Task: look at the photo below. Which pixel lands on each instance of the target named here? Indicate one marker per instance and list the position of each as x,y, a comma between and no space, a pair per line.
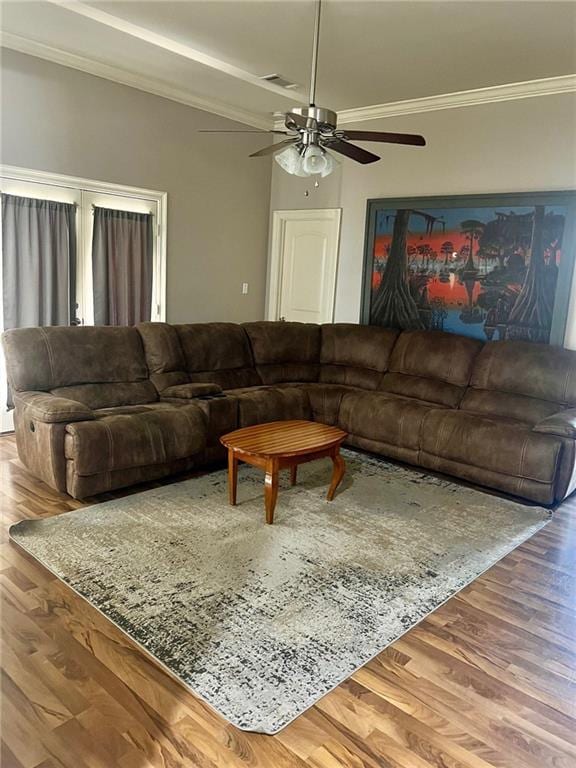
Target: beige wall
64,121
524,145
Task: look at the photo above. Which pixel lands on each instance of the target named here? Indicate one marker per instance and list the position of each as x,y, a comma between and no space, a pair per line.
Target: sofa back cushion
541,371
164,355
431,365
162,347
355,355
219,353
521,380
92,365
285,351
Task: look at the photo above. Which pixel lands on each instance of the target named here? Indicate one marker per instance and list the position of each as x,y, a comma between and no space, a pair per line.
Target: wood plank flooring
488,680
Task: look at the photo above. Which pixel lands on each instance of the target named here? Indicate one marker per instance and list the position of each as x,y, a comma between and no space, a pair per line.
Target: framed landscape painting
486,266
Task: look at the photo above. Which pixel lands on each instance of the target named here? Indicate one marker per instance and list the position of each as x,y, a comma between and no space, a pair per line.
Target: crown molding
126,77
510,92
16,173
549,86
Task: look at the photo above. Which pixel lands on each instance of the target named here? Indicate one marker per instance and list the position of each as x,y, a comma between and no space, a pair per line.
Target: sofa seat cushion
135,436
528,410
503,446
257,405
265,388
384,417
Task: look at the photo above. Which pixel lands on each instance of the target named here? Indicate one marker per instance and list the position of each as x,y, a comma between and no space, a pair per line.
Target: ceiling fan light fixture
290,160
314,160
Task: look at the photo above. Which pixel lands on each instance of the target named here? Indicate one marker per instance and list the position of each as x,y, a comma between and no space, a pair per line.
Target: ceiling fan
312,131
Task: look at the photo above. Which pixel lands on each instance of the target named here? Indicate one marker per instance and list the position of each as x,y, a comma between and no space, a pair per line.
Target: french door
86,195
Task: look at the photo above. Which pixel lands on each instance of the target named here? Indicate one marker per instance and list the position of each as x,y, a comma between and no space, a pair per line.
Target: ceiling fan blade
300,121
226,130
390,138
352,151
273,148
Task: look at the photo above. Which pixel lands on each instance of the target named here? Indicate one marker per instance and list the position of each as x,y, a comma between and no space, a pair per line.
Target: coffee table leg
337,473
271,489
293,474
232,476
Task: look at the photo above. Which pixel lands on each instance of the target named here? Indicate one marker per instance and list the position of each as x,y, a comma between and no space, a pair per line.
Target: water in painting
486,272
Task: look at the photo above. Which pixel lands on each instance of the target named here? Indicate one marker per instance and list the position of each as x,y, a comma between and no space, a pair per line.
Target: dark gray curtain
38,261
122,248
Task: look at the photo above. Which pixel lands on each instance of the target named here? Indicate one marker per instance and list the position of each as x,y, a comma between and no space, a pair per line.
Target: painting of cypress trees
487,267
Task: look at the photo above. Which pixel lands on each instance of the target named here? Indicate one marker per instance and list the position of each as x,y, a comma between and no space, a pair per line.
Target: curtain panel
122,264
38,262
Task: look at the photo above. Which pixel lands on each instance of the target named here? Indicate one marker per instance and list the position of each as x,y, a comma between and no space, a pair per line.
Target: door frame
276,263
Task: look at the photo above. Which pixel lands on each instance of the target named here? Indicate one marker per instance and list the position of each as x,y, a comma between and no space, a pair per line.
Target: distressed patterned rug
261,621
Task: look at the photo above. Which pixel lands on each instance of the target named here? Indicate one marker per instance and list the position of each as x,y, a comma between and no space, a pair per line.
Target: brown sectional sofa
101,408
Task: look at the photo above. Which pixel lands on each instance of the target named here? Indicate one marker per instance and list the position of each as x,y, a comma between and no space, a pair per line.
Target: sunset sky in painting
434,241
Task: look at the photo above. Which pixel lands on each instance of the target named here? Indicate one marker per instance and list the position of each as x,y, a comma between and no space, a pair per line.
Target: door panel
303,265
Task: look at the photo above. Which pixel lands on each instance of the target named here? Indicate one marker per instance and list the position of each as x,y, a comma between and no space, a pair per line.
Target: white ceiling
374,52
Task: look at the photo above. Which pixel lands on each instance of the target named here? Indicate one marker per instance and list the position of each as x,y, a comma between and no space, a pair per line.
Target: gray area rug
261,621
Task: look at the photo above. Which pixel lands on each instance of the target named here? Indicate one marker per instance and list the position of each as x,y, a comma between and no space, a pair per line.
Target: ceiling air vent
279,80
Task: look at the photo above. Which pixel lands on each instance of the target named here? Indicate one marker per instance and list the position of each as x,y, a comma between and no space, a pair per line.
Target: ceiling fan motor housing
325,119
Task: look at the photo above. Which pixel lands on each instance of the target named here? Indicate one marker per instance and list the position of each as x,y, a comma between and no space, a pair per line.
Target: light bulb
291,161
314,161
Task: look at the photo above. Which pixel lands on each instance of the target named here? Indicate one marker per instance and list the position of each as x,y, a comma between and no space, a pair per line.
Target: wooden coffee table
282,445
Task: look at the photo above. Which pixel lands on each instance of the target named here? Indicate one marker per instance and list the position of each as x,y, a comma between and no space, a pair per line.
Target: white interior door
303,265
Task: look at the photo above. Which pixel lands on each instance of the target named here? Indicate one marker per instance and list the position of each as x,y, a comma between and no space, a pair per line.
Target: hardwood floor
489,679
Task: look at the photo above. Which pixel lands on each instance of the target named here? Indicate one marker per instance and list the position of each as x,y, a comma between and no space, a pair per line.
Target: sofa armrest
51,409
562,424
190,391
